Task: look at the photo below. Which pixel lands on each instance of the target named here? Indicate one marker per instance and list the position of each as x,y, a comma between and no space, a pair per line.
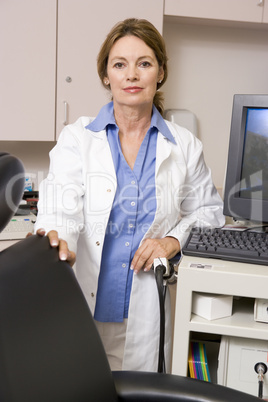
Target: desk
220,277
6,243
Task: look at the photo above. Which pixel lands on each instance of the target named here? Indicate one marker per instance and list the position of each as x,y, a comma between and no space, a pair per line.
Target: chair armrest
154,387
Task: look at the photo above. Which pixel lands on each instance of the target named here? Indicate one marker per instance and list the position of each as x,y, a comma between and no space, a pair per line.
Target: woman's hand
64,253
150,249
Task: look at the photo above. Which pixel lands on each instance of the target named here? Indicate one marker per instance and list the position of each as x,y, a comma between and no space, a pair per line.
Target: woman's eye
145,64
119,65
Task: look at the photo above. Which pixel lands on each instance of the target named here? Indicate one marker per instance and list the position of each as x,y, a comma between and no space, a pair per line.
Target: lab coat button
97,243
92,294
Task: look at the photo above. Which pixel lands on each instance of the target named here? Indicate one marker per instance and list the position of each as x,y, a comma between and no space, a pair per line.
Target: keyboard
18,227
235,245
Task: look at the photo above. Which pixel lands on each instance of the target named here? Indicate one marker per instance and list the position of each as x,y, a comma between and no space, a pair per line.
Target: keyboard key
234,251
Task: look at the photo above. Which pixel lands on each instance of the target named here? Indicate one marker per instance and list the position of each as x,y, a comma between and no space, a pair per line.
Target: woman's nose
132,73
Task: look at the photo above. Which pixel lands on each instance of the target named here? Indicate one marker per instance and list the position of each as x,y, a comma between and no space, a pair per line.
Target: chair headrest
12,181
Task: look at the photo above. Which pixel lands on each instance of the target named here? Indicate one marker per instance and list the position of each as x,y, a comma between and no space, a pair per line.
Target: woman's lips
132,89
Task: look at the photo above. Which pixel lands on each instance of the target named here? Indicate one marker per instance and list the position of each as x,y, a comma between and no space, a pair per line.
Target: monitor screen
246,183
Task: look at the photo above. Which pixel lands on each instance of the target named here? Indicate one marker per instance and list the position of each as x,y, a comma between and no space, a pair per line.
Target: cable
159,273
164,272
260,369
257,229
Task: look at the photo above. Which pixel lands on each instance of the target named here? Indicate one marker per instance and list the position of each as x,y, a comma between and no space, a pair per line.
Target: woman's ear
161,75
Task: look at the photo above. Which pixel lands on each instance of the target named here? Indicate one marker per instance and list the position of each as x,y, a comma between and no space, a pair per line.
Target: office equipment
202,275
238,358
18,227
212,306
246,189
11,186
230,261
261,310
31,198
246,184
233,245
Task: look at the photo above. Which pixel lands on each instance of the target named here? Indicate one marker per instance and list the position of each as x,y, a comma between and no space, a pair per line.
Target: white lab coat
76,199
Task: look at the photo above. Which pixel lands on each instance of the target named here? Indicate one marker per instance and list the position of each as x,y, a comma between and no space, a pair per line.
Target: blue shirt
131,215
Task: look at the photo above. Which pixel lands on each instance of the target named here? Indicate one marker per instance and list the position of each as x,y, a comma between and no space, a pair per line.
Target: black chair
50,350
11,186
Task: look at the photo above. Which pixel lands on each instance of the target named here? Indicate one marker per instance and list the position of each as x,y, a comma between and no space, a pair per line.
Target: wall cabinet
48,73
82,27
27,69
265,13
227,10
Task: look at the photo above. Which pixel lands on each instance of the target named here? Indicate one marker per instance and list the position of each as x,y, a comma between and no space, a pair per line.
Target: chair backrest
11,186
49,346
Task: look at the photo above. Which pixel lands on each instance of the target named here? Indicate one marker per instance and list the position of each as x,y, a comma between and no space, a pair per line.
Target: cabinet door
27,69
82,27
265,12
230,10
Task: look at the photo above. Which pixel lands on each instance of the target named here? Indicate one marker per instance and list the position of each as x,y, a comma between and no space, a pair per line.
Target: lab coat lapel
100,175
103,152
162,183
163,150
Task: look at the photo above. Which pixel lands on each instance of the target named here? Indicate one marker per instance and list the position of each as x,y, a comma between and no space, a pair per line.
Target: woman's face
133,72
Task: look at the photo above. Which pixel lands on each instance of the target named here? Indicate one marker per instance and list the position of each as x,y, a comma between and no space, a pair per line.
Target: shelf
244,282
220,12
240,324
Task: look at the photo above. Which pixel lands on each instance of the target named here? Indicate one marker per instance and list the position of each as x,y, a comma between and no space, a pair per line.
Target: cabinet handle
65,121
260,3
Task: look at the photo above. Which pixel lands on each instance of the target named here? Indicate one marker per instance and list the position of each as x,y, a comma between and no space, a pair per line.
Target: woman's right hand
64,253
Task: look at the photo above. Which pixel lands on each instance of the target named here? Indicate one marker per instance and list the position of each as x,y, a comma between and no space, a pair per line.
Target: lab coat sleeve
60,204
199,202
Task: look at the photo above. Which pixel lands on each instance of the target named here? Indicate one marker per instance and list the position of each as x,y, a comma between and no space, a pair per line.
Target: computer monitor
246,183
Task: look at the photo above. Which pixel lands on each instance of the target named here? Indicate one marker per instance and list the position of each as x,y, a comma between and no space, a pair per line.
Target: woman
124,188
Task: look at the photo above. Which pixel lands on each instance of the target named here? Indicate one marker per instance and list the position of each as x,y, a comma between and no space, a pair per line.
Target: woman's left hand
150,249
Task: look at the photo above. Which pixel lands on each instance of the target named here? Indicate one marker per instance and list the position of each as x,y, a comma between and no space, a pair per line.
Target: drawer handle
65,121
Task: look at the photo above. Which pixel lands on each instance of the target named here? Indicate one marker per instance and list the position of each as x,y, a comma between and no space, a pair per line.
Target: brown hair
145,31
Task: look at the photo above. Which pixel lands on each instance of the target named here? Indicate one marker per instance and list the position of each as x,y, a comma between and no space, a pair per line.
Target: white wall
207,66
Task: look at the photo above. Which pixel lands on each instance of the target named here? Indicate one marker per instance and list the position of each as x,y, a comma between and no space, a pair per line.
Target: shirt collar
158,122
106,117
